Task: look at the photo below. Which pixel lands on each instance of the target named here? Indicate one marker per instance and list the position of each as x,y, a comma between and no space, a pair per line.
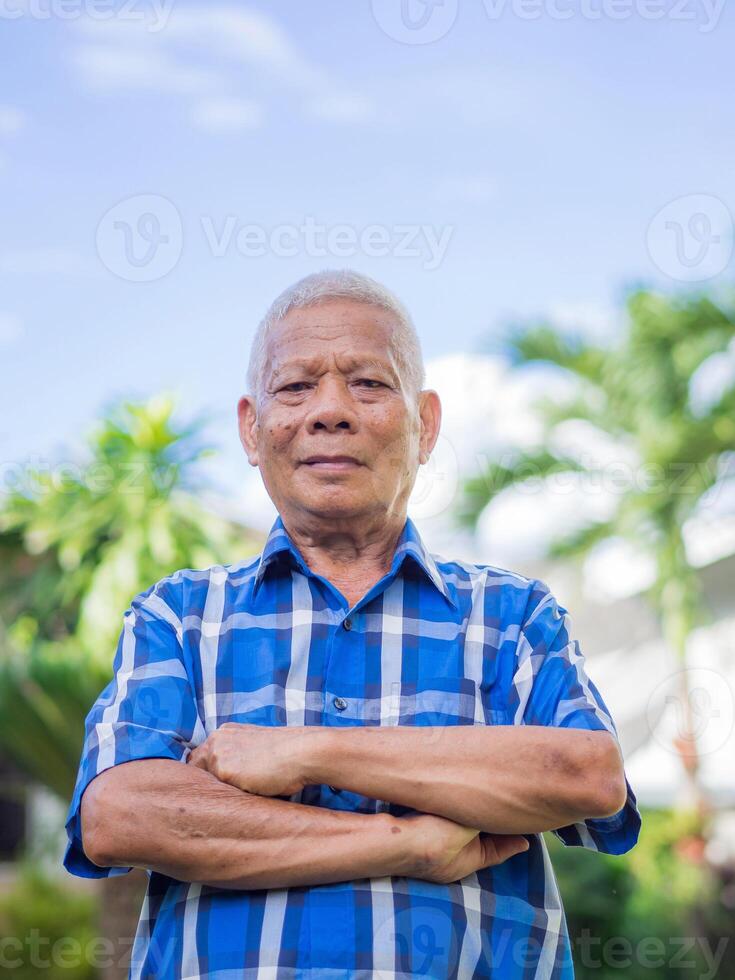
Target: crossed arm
477,789
502,779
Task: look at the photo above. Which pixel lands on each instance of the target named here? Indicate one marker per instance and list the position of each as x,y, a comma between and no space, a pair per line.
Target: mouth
331,463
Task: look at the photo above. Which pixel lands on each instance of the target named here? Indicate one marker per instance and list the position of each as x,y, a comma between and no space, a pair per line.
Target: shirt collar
410,544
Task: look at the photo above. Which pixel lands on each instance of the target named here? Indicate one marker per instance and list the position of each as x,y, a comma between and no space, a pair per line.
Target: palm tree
77,542
642,393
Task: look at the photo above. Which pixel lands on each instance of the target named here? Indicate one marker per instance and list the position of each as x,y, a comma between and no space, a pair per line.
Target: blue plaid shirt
269,642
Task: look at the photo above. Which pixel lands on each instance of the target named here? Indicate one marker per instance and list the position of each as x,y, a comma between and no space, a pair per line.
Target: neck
352,555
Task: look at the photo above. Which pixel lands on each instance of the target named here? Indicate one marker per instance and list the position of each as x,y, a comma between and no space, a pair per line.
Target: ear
430,414
247,422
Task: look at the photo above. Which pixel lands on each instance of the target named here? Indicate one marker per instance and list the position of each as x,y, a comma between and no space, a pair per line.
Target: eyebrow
352,364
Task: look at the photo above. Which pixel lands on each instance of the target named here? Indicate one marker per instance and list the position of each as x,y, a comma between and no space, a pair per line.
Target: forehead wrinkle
354,361
296,362
346,363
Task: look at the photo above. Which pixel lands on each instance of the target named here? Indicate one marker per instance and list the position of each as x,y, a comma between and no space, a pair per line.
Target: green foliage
45,694
643,905
641,395
77,542
48,929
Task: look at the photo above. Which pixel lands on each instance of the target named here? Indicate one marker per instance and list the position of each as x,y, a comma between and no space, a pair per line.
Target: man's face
337,434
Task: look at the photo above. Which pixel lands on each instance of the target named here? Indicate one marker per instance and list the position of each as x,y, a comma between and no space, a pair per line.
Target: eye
294,387
370,382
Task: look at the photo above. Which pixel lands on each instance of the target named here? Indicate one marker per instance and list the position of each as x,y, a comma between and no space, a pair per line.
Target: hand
255,758
447,851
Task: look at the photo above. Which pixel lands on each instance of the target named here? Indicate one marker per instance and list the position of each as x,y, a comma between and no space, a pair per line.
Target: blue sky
538,150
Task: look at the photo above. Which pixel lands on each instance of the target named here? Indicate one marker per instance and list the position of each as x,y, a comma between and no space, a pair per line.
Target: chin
333,506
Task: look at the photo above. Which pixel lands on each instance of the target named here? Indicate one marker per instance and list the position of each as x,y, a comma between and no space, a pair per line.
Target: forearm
185,823
501,779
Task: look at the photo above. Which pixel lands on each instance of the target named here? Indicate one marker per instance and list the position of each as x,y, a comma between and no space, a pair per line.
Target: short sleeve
147,710
552,688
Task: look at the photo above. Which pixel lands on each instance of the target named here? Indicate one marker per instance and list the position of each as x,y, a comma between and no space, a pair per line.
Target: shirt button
334,789
340,704
347,623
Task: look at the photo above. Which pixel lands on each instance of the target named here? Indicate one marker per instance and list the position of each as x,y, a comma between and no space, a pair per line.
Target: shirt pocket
442,701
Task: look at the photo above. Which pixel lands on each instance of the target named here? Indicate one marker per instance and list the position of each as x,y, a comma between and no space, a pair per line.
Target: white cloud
202,54
521,523
592,447
488,414
11,120
11,329
225,52
486,408
237,53
240,36
593,320
245,36
616,568
148,70
711,380
227,115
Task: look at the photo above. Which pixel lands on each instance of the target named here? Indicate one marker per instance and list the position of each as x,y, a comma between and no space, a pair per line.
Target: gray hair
331,284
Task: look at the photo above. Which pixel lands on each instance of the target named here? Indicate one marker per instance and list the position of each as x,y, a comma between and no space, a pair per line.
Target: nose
331,408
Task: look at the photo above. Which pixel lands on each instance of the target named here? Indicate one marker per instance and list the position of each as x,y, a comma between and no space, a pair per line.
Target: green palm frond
544,343
637,393
74,552
580,542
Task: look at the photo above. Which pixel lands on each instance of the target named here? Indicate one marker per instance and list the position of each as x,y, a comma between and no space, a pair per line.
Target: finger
198,758
500,847
469,834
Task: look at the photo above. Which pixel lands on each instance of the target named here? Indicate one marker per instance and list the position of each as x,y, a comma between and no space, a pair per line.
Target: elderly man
376,737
